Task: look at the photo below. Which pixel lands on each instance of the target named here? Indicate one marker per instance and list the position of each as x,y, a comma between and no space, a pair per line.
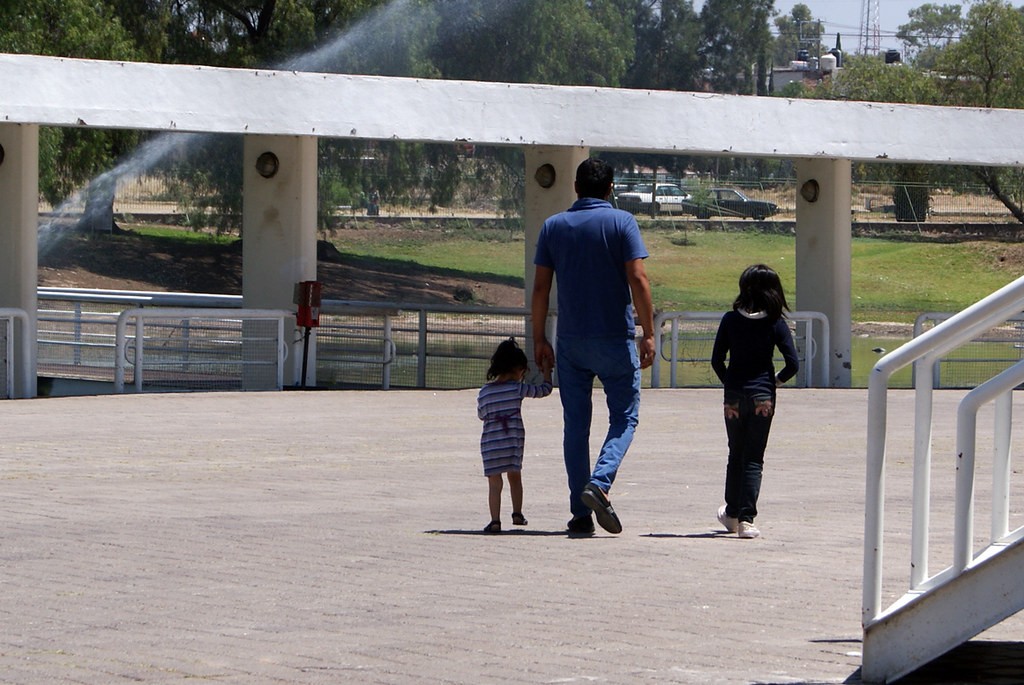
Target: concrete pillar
279,208
19,251
542,202
823,255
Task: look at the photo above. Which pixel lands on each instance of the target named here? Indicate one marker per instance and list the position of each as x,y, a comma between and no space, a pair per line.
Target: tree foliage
869,78
797,30
737,44
931,29
667,47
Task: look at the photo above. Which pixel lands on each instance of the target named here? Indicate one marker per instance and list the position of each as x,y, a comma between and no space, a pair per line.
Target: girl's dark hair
761,291
508,357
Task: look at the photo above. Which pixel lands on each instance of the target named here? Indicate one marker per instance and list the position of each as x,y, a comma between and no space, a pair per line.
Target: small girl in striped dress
499,406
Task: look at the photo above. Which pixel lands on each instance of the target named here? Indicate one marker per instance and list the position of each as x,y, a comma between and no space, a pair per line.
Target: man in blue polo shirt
597,255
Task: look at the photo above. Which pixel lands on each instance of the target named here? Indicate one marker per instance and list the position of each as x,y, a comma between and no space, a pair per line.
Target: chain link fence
152,198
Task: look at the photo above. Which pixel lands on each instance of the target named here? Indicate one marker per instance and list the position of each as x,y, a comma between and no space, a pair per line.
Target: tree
668,39
799,29
578,42
986,69
869,78
147,22
736,44
248,32
930,29
69,28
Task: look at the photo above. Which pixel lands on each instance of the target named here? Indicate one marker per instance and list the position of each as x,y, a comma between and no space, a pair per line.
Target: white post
279,229
19,251
823,253
1001,471
542,202
922,498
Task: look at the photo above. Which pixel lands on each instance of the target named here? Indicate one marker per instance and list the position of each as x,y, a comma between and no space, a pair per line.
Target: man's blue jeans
614,361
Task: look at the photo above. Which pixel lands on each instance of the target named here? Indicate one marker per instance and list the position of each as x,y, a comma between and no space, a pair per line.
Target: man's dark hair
594,178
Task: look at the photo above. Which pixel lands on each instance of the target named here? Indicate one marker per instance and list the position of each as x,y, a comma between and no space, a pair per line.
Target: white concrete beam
71,92
19,252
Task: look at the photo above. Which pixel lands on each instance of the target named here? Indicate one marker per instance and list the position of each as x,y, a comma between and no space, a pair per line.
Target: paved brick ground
333,537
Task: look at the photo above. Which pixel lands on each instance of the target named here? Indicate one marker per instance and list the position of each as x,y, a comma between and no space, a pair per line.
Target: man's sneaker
595,498
748,530
582,525
728,522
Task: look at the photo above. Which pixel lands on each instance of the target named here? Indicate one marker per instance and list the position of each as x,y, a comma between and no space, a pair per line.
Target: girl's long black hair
508,357
761,291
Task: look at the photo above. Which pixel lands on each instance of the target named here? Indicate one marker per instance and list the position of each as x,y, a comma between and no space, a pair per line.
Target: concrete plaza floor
334,537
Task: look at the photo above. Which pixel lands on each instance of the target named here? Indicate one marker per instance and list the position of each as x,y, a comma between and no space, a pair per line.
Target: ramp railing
924,352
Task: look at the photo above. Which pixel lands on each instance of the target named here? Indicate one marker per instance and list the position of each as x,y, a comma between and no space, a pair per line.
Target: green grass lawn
892,281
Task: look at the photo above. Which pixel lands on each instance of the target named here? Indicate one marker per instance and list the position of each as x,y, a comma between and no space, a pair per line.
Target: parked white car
645,199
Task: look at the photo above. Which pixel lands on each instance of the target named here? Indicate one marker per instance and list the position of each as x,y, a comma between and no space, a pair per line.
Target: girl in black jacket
749,334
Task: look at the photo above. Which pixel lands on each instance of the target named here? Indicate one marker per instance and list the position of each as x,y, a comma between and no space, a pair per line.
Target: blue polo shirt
588,247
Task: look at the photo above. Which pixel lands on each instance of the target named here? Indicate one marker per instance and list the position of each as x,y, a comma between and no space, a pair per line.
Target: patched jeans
748,420
613,361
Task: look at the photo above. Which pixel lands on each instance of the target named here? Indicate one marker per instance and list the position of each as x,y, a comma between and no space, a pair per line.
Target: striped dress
499,407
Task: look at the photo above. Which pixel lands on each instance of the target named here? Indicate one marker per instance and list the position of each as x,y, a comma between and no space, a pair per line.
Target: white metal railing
423,326
805,343
339,341
77,334
8,315
76,327
183,315
924,352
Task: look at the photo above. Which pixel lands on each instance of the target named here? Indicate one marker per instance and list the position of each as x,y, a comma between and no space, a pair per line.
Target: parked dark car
730,202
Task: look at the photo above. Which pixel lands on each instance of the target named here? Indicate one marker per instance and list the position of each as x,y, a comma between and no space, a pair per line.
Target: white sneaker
748,530
728,522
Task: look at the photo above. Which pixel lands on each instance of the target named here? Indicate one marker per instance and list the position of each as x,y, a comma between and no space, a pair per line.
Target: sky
845,17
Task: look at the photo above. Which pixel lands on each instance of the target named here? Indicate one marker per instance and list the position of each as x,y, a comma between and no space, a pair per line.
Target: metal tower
870,31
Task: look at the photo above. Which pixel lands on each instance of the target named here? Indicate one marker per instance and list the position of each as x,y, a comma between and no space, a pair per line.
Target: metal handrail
998,388
924,350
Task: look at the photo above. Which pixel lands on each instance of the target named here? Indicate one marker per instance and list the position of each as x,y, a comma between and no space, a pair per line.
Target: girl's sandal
493,527
518,519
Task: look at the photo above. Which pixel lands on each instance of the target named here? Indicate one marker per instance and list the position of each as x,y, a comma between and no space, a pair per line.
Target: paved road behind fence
334,537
